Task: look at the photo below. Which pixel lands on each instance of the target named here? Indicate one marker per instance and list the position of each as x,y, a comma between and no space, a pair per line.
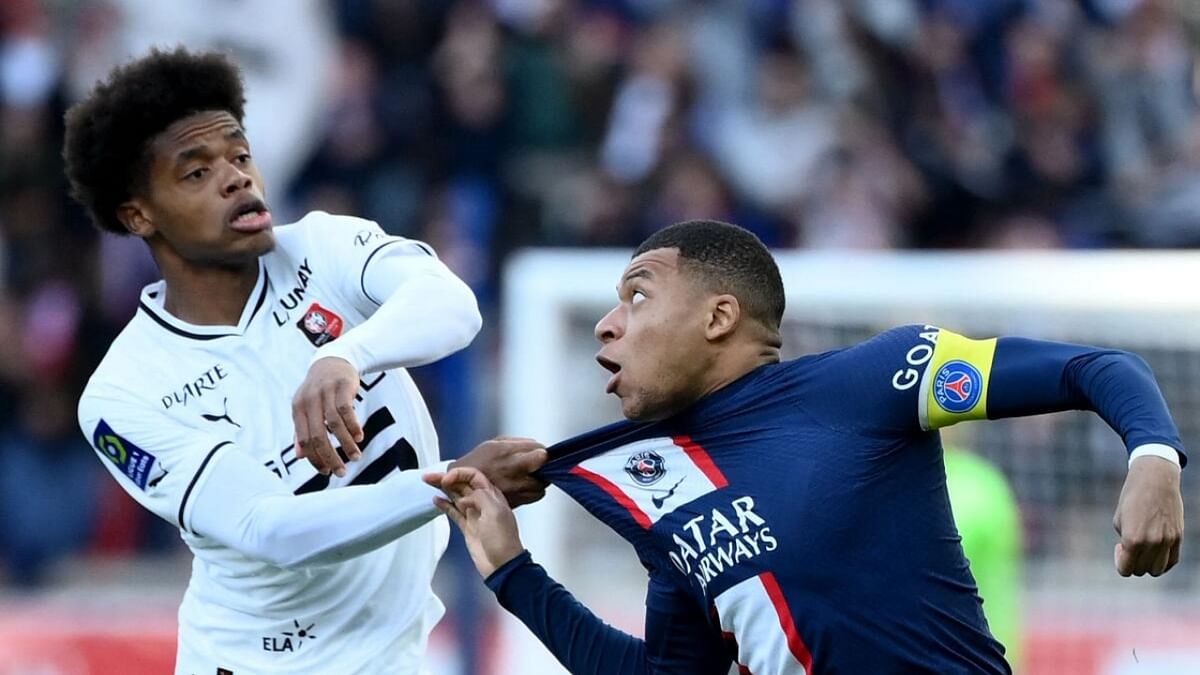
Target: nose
237,180
611,327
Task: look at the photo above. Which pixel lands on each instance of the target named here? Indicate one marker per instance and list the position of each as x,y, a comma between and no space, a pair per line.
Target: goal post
1065,469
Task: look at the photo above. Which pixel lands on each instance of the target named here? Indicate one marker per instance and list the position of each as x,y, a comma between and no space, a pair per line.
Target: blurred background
487,127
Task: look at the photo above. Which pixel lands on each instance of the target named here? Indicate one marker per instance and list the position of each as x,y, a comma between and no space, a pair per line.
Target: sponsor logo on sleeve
138,465
320,325
957,387
365,237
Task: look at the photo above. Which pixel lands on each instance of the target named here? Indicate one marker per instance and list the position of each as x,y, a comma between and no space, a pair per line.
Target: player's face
653,340
205,196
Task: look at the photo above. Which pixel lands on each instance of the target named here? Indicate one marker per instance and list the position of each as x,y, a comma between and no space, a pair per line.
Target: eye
196,174
636,297
243,158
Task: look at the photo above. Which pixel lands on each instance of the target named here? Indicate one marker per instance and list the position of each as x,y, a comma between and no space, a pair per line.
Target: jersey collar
151,304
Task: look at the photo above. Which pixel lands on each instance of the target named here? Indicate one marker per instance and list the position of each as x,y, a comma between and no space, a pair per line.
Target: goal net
1078,616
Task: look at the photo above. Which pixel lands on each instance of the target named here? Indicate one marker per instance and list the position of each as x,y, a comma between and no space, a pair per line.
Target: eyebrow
197,151
640,273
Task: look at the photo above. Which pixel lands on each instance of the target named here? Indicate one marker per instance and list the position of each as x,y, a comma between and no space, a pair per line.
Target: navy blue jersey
797,520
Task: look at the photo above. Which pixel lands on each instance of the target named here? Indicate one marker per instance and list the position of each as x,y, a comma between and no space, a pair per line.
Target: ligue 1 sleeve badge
320,325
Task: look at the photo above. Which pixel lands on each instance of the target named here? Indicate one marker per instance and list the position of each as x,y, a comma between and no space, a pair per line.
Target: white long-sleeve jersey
294,572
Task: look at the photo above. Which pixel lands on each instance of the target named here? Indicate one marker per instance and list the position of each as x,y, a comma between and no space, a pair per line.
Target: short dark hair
728,259
108,134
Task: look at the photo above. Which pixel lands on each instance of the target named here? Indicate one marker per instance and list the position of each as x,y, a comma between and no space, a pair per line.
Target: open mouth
251,215
612,367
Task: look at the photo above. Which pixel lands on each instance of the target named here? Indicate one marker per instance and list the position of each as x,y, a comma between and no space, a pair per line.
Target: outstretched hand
1149,518
482,513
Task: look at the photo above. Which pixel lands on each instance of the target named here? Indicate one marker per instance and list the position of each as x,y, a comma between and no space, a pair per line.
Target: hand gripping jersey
172,403
797,520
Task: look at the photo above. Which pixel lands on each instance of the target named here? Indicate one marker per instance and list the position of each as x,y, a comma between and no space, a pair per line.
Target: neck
737,364
206,295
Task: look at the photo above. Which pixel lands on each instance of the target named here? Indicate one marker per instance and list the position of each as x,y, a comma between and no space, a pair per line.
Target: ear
724,314
136,218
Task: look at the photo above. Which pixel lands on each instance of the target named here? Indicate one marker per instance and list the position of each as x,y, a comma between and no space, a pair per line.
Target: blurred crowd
481,126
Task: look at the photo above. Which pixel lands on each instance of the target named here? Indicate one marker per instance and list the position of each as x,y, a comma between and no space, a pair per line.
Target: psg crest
646,467
320,325
957,387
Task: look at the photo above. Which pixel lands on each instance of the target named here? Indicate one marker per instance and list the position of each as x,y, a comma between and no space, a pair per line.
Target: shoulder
140,366
342,237
900,353
323,227
132,361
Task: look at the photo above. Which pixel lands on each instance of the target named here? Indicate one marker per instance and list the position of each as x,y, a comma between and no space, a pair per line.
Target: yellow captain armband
954,386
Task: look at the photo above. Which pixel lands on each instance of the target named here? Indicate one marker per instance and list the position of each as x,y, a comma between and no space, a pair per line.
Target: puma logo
225,416
658,501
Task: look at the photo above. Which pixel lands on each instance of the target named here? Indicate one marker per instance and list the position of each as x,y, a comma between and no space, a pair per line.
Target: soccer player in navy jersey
793,516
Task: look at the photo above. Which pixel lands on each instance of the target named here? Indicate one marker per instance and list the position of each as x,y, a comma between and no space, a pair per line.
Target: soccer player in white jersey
256,337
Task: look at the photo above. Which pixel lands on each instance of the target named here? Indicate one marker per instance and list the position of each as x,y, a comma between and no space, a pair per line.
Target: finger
447,507
1140,557
516,439
535,494
472,505
318,439
529,492
1147,557
1173,558
343,397
347,392
299,451
336,425
533,460
300,421
1159,564
433,479
457,484
494,498
1122,560
457,491
465,475
454,510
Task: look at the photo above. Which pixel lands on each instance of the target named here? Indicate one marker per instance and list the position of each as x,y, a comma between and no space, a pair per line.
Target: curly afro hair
108,133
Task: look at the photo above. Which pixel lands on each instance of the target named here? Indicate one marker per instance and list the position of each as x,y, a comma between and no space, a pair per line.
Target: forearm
1116,385
245,511
578,638
427,315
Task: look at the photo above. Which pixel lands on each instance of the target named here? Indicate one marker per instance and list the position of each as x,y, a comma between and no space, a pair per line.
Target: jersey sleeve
921,378
390,280
210,487
348,248
678,639
873,387
158,461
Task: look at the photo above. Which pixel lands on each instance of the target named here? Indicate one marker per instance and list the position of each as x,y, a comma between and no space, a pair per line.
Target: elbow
464,321
1109,369
264,537
283,562
1126,363
286,555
